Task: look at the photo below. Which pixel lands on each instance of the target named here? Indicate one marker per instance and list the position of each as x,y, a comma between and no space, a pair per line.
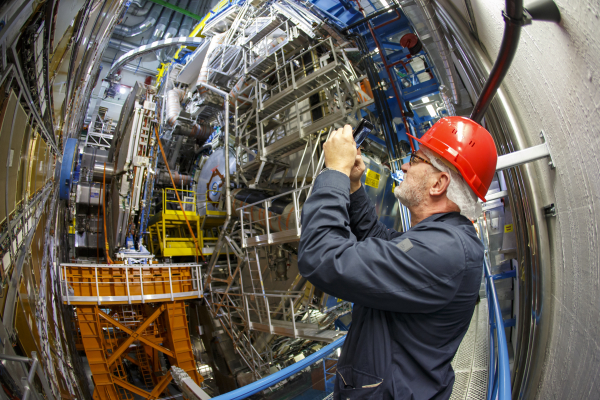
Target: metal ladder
144,366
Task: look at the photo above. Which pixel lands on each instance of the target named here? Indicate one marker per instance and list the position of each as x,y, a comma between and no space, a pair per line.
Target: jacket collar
443,217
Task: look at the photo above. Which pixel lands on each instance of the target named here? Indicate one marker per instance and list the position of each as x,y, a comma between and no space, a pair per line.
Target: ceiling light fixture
431,111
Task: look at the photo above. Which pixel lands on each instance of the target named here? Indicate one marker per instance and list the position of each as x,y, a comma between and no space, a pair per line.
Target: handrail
132,283
183,192
285,373
498,375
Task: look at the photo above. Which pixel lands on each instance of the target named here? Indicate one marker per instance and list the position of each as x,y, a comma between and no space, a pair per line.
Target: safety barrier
499,369
278,227
125,283
321,363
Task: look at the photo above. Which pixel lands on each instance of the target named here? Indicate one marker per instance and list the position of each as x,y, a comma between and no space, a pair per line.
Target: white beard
410,193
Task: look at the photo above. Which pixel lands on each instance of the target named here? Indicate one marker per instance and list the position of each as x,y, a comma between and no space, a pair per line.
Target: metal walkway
471,360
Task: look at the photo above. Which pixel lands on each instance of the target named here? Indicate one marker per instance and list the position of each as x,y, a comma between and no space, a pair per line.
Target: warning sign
372,179
508,228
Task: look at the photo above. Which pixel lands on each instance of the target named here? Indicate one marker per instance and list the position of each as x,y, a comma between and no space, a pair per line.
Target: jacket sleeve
420,276
364,222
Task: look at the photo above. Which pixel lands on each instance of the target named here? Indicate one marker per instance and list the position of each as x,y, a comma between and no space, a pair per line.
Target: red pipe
387,69
398,16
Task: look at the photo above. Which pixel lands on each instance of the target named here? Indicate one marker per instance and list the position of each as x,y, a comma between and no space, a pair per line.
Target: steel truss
291,84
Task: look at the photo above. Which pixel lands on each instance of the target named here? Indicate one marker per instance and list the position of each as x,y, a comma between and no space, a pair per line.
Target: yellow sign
508,228
372,179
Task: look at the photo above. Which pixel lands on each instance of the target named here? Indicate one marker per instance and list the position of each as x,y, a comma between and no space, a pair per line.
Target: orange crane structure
131,313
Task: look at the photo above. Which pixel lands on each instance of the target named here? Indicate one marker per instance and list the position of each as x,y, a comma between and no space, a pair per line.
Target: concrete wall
554,84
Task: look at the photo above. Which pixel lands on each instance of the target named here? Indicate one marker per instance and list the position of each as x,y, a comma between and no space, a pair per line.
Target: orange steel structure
134,313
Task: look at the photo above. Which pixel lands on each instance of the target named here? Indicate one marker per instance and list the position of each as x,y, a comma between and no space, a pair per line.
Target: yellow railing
214,203
188,202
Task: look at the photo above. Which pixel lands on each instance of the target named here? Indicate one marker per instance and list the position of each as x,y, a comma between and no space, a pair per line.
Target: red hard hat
466,145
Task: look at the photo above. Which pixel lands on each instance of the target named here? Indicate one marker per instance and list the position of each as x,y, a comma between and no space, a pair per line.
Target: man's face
413,190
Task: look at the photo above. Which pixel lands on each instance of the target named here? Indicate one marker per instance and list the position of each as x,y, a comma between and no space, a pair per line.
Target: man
414,292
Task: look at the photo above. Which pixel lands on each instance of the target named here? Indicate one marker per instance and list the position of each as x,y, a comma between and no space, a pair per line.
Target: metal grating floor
471,360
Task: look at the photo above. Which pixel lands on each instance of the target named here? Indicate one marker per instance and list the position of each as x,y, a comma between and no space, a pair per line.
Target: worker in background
414,292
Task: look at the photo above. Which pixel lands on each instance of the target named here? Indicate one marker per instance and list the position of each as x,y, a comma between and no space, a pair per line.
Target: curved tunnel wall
554,86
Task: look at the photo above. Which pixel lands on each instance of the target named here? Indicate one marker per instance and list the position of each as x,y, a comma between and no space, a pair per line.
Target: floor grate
471,360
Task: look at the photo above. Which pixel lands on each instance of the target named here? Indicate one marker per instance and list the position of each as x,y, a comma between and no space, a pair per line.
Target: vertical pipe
387,70
513,18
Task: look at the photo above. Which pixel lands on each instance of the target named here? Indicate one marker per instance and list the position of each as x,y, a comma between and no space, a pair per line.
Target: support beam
151,48
522,156
161,386
132,333
131,359
135,335
134,389
178,9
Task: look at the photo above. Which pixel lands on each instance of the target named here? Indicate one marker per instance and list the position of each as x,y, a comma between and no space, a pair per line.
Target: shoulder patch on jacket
405,245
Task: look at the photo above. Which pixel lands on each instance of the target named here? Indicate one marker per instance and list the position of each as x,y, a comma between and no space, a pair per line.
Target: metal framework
99,130
290,92
122,305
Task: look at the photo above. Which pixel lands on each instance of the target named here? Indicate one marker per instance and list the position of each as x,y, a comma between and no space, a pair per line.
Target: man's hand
357,172
340,150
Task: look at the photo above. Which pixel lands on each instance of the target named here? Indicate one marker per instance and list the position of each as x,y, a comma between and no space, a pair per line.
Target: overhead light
425,99
431,111
385,4
122,90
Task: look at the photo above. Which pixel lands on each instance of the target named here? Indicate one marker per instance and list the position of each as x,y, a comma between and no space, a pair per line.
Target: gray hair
459,192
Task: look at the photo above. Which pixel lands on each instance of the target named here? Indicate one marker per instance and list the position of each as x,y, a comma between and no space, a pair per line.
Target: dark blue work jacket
414,293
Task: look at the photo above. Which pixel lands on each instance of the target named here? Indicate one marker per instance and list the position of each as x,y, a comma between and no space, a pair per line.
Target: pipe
270,380
149,22
161,25
178,179
203,76
174,99
370,17
142,8
171,31
200,132
381,102
513,21
175,152
173,28
121,45
178,9
435,30
188,22
392,82
529,183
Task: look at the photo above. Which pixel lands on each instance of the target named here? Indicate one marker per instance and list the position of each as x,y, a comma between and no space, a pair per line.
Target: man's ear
440,185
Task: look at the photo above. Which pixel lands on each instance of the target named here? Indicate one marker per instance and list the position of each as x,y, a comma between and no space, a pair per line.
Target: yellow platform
169,234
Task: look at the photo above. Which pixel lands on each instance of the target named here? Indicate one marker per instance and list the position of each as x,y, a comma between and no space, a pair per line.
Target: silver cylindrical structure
179,179
174,98
94,164
149,22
